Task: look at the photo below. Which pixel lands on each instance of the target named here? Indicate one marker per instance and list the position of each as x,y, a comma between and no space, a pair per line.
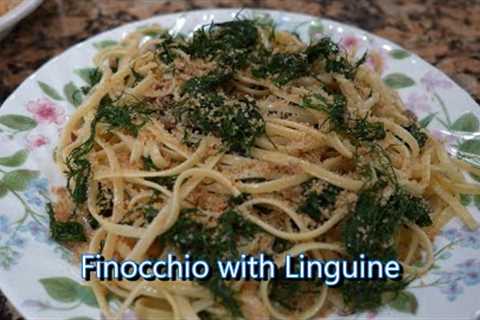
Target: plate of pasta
221,133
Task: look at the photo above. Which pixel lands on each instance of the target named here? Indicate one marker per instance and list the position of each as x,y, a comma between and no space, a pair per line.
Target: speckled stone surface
446,33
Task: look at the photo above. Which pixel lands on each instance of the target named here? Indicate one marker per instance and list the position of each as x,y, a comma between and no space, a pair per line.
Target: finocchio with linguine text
331,272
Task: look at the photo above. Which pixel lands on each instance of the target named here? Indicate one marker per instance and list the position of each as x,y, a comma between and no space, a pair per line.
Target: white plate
12,17
36,273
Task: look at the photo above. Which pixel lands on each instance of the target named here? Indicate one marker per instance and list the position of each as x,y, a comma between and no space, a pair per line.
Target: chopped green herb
285,291
380,163
229,43
167,181
369,295
367,131
208,82
78,168
418,133
281,245
65,231
315,201
231,224
131,118
149,213
336,111
211,244
164,50
237,124
148,164
238,200
93,222
290,293
412,208
105,201
327,50
370,230
223,294
205,315
323,48
205,243
283,67
359,130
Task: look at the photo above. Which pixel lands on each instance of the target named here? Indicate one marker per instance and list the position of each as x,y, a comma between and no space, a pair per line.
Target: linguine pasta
245,140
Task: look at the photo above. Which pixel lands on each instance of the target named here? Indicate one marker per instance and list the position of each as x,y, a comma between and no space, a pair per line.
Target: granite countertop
446,33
